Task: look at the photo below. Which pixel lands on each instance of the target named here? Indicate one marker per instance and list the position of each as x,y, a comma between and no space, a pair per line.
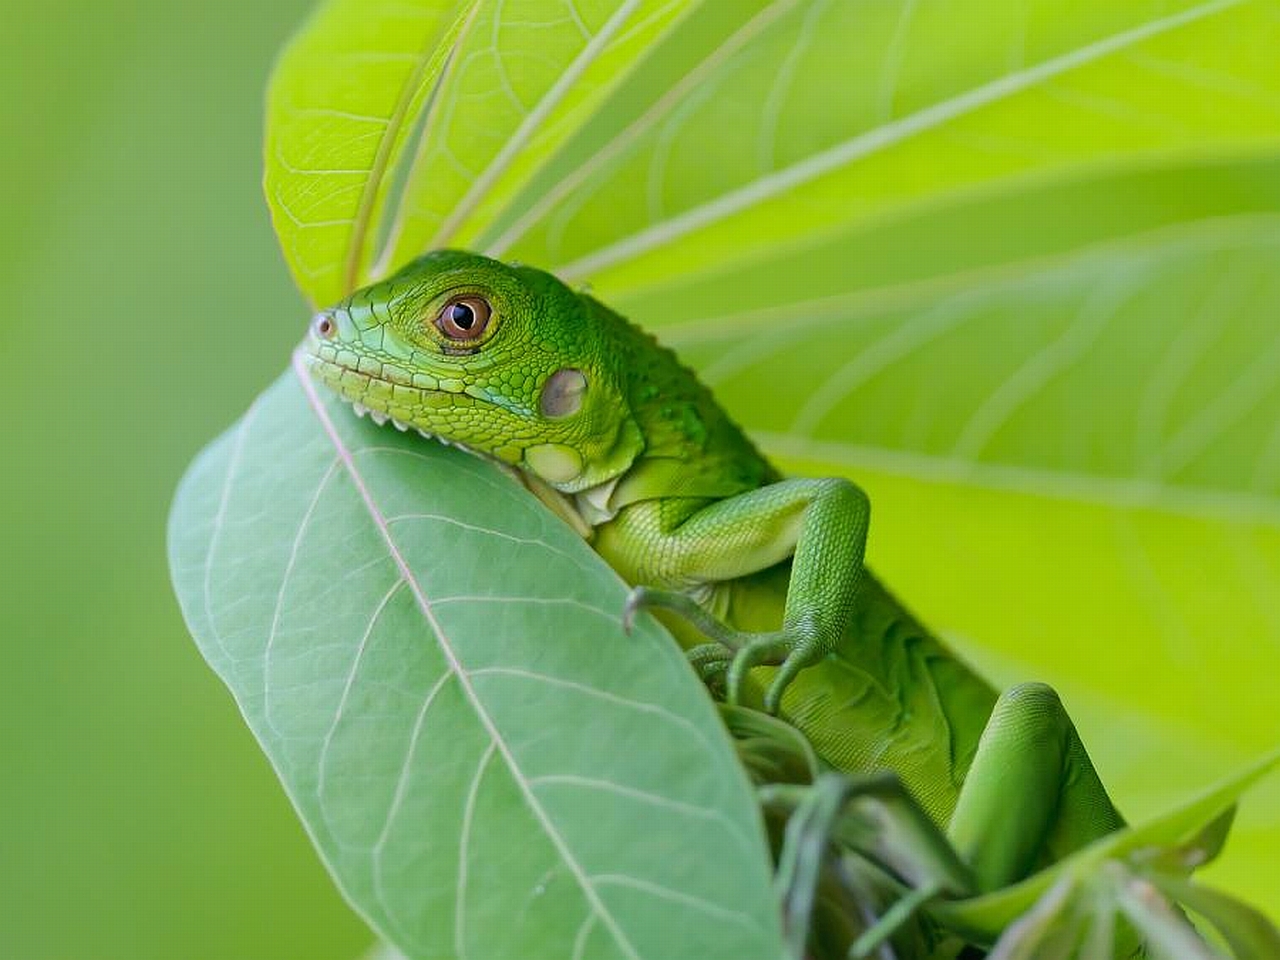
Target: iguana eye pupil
464,318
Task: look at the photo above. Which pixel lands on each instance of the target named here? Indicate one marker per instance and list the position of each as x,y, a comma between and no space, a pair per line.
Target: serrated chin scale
381,419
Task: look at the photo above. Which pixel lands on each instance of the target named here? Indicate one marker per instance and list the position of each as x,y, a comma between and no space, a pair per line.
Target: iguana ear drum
562,393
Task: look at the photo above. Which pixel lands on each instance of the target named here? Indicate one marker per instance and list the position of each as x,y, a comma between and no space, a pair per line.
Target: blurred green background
146,303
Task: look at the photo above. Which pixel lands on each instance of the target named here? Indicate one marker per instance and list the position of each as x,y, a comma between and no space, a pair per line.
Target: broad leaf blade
436,668
394,123
791,192
1072,456
836,115
341,120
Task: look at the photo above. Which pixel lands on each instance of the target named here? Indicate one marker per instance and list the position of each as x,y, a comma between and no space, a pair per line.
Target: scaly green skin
627,444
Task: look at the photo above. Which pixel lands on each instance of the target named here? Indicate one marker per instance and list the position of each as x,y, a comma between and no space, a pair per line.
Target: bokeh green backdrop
145,302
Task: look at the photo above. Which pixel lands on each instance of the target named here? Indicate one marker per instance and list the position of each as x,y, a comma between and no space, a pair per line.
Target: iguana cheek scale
626,444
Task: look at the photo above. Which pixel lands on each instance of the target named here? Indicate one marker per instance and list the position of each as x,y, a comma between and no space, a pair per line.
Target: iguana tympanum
761,575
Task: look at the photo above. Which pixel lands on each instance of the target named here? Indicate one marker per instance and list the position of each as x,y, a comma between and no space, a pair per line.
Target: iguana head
502,359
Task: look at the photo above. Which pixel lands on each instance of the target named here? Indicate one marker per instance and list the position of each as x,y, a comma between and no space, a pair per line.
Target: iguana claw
741,649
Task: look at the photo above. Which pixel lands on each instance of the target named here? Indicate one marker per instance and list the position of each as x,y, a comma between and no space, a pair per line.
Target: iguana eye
464,318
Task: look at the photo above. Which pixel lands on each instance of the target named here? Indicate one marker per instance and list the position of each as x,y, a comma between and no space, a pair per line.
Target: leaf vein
303,525
612,617
1082,332
326,744
672,895
605,695
680,807
451,655
397,798
874,140
219,522
530,124
599,159
1121,492
464,843
476,528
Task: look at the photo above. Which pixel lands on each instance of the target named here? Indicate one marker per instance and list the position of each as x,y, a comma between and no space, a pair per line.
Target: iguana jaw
382,419
387,393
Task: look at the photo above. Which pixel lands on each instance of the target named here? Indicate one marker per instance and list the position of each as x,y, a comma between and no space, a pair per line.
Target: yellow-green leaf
1009,264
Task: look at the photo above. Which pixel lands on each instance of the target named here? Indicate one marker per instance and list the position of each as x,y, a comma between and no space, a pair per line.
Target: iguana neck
691,447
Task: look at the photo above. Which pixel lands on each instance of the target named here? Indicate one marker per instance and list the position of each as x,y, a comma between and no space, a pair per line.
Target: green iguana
761,576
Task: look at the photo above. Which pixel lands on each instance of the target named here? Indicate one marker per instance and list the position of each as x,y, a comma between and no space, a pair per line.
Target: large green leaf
437,670
1100,422
393,122
1010,264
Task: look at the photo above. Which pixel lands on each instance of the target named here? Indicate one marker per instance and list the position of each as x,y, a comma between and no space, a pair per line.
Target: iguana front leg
820,523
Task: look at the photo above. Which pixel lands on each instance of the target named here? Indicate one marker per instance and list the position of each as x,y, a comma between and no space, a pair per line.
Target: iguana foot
791,650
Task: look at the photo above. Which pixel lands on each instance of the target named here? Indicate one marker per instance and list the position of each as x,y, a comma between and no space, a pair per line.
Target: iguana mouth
339,376
382,419
381,386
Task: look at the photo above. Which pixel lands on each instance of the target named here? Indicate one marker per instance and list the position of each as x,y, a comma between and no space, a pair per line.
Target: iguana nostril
324,327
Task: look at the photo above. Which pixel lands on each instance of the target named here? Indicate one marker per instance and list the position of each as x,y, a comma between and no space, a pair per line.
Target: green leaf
486,762
1011,267
393,122
1097,424
1250,935
983,917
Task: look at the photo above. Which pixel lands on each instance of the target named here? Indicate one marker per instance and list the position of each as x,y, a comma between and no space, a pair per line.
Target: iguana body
630,447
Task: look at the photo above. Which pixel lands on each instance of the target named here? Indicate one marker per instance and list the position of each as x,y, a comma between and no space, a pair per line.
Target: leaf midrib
870,141
455,666
1201,503
362,225
481,186
801,315
958,201
498,246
